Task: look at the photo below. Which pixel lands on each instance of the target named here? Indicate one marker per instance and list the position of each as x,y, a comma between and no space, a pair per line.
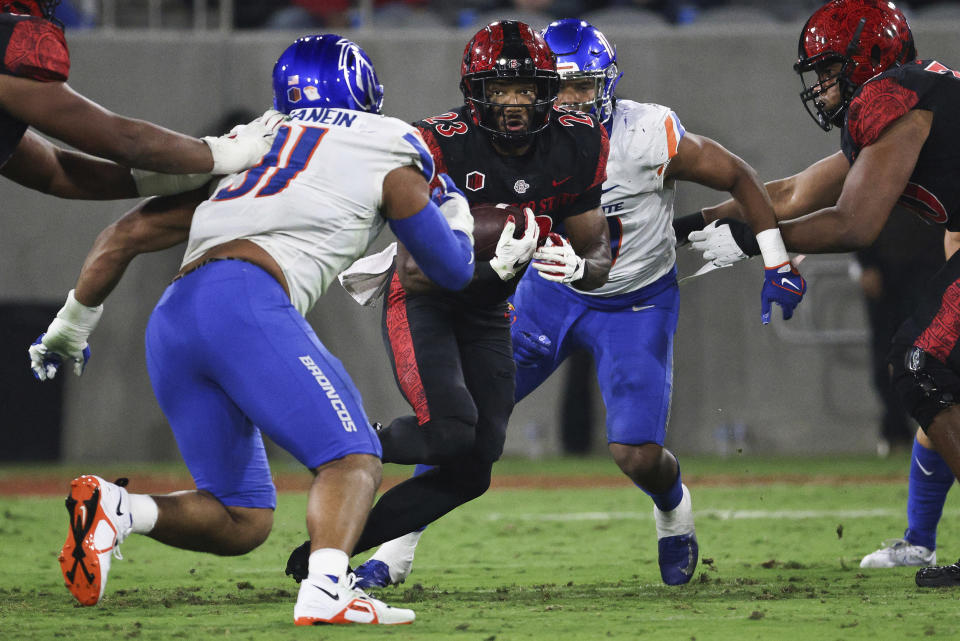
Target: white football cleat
322,601
897,553
100,520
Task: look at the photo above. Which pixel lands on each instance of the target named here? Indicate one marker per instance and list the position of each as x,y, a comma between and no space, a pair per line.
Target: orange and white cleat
325,601
99,521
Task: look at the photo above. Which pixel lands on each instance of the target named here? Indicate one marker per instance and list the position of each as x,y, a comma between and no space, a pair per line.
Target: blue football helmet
584,52
325,71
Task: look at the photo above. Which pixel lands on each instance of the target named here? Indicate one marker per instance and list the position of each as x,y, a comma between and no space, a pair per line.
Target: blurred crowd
471,14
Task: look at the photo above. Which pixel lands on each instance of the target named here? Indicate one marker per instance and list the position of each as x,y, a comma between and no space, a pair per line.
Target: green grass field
779,560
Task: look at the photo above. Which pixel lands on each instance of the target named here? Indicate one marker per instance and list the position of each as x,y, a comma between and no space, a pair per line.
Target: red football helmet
505,50
866,37
37,8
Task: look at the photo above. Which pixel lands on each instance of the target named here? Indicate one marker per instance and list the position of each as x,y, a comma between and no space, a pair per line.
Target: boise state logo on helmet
325,71
584,52
508,49
865,37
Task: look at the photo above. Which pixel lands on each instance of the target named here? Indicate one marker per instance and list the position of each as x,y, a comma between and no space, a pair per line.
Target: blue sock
421,468
669,499
930,480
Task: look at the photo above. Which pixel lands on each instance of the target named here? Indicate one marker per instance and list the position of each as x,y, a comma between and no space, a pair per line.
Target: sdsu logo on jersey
476,181
521,186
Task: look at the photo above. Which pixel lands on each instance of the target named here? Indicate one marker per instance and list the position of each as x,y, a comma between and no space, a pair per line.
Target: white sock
144,512
329,561
677,521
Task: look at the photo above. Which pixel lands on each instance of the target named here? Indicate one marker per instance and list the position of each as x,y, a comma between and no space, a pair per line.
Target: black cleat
939,576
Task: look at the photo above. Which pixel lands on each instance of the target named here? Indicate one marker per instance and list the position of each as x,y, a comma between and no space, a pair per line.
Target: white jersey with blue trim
313,203
637,201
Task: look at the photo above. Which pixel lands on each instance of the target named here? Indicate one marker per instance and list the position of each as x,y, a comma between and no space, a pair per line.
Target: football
488,222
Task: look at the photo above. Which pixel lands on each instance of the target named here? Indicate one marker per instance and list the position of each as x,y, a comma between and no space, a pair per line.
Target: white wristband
772,249
79,315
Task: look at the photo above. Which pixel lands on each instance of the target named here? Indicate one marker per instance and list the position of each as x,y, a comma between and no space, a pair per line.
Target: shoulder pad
37,50
875,106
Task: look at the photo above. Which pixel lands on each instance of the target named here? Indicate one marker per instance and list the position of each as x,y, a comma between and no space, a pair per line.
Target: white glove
152,183
454,206
245,145
65,339
557,261
717,244
513,253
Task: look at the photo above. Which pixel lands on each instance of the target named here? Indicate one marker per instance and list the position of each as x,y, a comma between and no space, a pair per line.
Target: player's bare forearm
597,268
38,164
58,111
153,225
870,190
413,280
816,187
589,236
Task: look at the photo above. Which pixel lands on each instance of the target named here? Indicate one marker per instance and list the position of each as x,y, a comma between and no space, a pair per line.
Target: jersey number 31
295,152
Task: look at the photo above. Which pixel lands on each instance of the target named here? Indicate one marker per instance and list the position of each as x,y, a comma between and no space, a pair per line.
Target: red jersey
31,48
933,191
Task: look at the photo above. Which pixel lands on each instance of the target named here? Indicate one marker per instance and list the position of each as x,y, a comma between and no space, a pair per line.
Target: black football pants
454,364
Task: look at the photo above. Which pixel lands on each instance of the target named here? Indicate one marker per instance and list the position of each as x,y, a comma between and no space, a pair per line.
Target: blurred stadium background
802,387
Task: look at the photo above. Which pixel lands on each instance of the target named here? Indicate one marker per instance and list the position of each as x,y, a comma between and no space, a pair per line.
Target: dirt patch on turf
35,485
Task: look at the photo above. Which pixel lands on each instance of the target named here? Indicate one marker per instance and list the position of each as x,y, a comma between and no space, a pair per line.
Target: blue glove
783,285
529,348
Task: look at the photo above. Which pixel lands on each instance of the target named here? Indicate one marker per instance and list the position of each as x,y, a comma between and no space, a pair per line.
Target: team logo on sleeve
521,186
476,181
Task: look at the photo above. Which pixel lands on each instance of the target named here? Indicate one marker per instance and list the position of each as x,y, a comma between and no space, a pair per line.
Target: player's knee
449,438
926,386
249,528
649,465
473,478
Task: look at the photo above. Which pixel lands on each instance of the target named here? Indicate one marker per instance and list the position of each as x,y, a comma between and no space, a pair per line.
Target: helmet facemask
603,81
825,117
489,112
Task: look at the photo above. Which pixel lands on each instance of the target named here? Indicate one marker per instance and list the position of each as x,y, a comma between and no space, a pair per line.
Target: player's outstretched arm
152,225
38,164
55,109
705,162
871,189
816,187
435,232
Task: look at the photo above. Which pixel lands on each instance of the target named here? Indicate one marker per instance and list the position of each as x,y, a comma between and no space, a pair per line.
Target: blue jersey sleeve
444,255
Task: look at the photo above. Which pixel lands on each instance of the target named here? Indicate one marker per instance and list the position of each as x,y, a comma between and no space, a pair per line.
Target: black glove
743,235
683,225
299,562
